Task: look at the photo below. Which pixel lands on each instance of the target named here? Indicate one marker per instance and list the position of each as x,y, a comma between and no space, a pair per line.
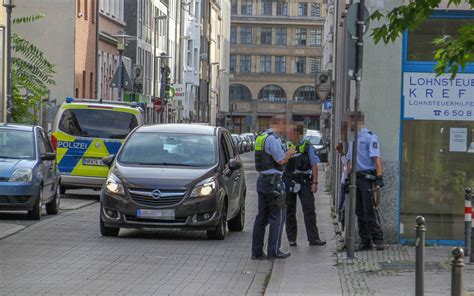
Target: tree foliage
452,54
31,73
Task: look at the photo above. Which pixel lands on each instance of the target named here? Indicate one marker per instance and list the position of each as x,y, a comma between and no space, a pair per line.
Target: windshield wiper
9,157
167,163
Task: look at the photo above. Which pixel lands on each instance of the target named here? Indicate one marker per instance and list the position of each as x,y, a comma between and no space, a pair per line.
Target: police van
84,132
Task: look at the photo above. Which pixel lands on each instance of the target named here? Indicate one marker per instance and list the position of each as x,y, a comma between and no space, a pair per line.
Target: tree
452,54
31,73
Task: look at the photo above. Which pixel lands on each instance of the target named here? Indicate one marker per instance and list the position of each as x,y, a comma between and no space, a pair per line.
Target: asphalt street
65,255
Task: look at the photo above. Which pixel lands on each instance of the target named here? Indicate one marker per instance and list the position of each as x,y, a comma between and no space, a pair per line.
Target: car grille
168,198
146,220
13,199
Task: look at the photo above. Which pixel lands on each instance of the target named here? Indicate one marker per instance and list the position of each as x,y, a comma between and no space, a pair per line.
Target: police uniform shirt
313,159
274,147
368,147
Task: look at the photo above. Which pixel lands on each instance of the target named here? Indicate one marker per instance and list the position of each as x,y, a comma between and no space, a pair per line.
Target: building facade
75,59
276,49
3,60
424,123
111,22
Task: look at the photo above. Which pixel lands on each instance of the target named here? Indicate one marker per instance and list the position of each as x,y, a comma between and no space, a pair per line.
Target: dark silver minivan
181,176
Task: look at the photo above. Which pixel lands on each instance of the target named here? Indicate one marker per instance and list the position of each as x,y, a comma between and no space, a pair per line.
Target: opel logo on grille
156,194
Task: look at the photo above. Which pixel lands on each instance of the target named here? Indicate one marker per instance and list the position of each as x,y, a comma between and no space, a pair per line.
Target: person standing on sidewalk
369,178
270,156
301,179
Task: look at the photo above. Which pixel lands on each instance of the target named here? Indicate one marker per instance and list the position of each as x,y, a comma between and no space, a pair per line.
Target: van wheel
220,231
35,212
237,223
53,207
107,231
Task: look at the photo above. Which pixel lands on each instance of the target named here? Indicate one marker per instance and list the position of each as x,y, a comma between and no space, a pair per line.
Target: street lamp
121,42
8,4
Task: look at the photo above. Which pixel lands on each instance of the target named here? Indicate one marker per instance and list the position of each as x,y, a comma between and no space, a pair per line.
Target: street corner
8,229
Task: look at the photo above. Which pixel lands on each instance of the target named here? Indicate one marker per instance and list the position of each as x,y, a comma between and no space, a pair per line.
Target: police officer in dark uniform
369,179
301,178
270,155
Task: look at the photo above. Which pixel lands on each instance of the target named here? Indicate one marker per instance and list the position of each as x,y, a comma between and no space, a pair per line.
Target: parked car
29,177
84,132
250,141
238,143
181,176
316,139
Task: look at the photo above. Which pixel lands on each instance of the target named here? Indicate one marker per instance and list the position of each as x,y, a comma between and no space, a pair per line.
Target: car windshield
169,149
94,123
16,144
314,140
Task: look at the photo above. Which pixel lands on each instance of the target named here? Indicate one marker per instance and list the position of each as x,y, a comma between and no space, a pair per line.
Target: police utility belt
298,179
276,197
369,175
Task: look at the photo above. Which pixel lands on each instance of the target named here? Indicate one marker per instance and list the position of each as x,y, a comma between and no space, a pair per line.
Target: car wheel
35,212
107,231
237,223
220,231
53,207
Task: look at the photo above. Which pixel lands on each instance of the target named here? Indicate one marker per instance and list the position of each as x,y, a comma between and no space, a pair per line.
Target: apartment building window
267,7
266,36
78,7
86,9
301,36
246,35
281,36
300,65
315,9
316,37
93,11
239,92
190,53
265,64
83,84
245,63
273,93
234,7
305,93
233,63
302,9
282,9
246,7
280,64
233,35
91,85
315,64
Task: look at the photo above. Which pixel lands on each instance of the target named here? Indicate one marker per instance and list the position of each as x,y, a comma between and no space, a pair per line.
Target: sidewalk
309,270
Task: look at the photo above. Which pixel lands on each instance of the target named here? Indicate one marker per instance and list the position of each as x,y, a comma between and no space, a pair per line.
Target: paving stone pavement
65,255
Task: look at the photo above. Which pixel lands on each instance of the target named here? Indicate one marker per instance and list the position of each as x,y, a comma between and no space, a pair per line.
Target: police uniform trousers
369,226
309,212
267,214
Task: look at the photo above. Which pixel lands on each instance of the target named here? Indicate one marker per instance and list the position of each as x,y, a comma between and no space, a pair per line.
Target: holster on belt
369,175
276,198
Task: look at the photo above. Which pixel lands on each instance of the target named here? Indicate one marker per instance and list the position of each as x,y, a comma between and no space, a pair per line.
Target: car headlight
114,185
204,188
21,175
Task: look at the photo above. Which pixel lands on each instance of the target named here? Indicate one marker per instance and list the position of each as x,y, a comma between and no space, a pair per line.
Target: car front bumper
69,181
18,195
189,213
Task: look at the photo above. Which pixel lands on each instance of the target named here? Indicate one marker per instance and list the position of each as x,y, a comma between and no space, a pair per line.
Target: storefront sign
428,97
180,91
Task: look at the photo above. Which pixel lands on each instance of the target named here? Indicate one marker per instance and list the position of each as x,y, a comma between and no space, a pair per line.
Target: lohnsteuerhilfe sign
428,97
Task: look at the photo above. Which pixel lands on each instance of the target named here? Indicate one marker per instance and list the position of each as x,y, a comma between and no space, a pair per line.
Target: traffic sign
323,94
157,105
126,81
352,17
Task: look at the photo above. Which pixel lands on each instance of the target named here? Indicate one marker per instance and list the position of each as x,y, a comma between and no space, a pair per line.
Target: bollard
420,256
456,274
467,221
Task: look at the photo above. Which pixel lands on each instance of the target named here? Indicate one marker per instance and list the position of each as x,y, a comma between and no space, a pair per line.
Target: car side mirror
108,160
234,164
48,156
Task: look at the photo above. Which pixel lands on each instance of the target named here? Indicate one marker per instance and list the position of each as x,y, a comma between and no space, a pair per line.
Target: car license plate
156,214
93,161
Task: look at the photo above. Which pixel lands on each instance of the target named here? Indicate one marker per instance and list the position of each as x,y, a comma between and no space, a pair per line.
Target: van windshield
94,123
169,149
314,140
16,144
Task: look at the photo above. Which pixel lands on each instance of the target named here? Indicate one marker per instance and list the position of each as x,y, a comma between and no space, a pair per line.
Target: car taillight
54,142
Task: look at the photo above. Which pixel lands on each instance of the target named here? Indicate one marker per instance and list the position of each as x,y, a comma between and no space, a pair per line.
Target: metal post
420,256
467,221
120,76
456,273
350,244
9,7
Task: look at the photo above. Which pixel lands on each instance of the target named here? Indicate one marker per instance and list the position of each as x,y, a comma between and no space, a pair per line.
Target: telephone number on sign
453,113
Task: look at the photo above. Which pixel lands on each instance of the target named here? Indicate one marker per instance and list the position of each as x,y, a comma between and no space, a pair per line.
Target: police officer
270,155
301,178
369,178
